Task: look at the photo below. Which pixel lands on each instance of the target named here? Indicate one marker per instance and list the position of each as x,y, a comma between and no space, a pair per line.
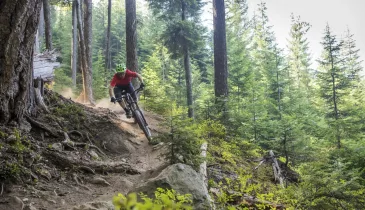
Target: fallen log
277,170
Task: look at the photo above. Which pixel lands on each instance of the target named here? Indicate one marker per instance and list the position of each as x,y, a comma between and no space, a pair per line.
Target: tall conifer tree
333,81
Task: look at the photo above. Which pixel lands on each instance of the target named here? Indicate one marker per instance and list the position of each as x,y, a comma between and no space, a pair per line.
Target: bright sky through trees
340,14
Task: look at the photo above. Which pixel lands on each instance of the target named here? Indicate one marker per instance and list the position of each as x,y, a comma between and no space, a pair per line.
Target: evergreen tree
352,63
298,58
131,36
334,83
181,34
220,50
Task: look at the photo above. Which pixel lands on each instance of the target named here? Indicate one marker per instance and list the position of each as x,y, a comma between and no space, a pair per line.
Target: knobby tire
138,117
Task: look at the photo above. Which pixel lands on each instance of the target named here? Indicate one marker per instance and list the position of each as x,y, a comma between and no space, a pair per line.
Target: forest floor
105,154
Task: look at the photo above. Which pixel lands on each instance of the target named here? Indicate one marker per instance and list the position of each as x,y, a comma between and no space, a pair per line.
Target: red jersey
129,75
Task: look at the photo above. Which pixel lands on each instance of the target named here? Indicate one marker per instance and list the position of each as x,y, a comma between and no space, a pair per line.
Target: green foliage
9,171
164,200
100,78
11,168
155,73
20,144
276,101
183,141
73,112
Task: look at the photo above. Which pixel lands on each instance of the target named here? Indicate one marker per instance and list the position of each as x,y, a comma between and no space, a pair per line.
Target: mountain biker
122,81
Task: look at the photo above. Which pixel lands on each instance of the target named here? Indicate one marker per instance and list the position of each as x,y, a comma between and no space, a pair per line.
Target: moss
21,143
3,135
10,171
72,113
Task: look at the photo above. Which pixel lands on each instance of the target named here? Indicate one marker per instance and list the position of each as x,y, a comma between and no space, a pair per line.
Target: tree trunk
220,49
189,90
88,33
41,28
47,20
86,74
18,23
277,170
334,96
107,51
74,43
131,36
36,44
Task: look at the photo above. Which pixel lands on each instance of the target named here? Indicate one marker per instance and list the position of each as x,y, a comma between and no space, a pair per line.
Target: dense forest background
312,118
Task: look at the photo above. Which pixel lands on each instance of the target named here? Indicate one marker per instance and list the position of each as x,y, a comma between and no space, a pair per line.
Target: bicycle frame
133,105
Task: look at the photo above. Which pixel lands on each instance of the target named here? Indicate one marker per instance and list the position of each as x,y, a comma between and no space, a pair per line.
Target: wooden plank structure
44,65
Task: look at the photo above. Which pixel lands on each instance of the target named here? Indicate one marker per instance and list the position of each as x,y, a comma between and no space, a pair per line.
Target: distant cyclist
122,81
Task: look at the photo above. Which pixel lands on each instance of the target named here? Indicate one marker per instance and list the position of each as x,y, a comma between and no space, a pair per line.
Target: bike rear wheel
139,119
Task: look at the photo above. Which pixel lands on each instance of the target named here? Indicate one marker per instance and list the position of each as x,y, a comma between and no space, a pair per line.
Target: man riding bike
122,82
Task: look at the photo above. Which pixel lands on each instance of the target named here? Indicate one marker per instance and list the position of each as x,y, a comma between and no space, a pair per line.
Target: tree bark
188,80
189,90
41,28
47,20
107,51
86,74
220,49
74,44
36,44
18,24
88,33
277,170
131,36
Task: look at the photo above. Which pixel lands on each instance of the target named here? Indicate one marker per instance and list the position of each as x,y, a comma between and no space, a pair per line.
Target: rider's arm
111,87
139,78
111,92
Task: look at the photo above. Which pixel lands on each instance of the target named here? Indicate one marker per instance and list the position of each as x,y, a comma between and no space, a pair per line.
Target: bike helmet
120,68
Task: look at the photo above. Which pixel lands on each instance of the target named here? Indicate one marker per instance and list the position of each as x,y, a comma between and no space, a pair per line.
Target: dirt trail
64,193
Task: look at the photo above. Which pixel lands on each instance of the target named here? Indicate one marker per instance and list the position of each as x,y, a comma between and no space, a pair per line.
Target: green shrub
164,200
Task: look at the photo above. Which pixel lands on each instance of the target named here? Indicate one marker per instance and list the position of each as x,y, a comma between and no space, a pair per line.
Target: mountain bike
136,112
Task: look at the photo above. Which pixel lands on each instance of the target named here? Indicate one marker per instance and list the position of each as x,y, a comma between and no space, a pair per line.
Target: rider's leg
118,93
131,91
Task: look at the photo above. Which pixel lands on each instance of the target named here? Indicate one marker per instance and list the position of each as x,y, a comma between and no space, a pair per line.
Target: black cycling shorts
127,88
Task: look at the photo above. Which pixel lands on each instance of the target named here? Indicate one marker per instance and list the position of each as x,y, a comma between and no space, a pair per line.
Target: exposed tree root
87,136
39,100
69,143
78,180
75,132
99,181
2,189
63,160
37,124
86,169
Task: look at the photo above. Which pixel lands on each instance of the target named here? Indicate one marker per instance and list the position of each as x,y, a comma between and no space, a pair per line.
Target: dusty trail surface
53,184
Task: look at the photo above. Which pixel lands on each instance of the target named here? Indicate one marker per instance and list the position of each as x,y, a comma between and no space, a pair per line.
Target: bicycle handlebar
124,95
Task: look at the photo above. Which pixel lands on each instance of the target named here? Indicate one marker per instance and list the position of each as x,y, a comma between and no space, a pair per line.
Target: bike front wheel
139,119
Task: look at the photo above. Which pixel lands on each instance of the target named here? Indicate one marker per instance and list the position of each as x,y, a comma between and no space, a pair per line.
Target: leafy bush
164,200
183,140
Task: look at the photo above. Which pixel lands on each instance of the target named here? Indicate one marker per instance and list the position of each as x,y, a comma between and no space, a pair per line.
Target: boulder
99,205
183,179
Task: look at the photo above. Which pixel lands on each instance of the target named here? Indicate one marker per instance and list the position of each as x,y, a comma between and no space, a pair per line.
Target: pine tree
266,64
352,63
298,58
181,34
220,50
334,83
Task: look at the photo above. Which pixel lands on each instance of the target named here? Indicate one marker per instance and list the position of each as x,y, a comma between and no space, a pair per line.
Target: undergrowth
165,199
